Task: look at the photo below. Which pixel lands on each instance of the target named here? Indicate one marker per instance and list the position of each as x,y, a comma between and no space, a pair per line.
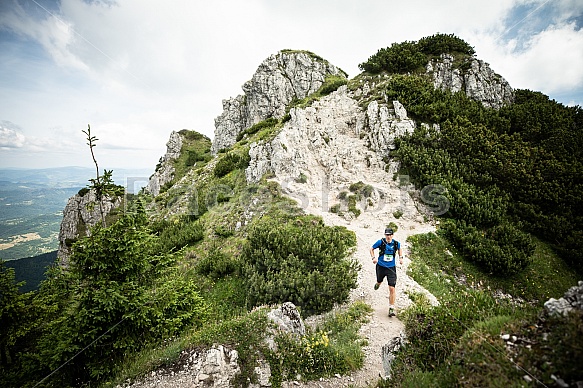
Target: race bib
388,258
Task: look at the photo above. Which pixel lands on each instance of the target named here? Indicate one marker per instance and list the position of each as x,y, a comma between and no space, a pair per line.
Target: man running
386,265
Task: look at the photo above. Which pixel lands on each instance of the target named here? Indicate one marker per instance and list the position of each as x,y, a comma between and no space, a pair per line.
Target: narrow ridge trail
369,227
325,144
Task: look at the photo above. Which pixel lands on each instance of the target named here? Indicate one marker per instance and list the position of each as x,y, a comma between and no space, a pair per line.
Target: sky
135,70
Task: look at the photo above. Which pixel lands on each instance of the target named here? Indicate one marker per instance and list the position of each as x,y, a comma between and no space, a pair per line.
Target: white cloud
557,54
138,69
10,137
53,33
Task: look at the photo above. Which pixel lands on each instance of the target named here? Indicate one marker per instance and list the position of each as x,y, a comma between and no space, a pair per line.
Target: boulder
573,299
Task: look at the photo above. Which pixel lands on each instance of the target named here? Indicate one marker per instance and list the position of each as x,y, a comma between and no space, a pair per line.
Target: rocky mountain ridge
327,146
318,153
280,79
478,82
165,170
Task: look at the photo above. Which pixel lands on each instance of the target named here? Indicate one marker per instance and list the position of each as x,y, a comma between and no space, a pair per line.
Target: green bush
301,261
335,208
83,191
269,122
502,250
434,331
334,347
331,84
216,264
352,201
192,157
302,178
178,234
444,43
356,187
231,161
399,58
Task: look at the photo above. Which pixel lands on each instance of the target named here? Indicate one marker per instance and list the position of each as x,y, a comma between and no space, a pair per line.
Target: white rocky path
326,145
369,227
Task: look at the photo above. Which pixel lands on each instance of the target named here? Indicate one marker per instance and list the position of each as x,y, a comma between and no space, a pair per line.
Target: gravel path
369,227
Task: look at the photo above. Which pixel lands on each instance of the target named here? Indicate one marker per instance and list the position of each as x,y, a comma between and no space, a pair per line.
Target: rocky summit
280,79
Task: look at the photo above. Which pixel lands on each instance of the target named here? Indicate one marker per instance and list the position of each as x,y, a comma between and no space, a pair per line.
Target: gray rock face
215,367
281,78
325,135
165,172
288,319
479,82
230,123
80,215
573,299
218,367
385,124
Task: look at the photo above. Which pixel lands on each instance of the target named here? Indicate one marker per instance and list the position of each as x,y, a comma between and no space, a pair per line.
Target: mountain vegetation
156,281
31,270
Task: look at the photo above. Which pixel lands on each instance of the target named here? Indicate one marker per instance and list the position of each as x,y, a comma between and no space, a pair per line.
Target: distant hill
32,203
32,269
67,176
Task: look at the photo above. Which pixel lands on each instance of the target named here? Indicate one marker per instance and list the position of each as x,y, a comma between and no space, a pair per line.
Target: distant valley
32,203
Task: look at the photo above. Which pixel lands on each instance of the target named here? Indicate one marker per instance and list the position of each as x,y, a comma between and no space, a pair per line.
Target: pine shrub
180,234
231,161
502,250
216,264
302,261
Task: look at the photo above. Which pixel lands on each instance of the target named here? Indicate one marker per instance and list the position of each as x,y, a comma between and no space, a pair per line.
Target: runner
386,265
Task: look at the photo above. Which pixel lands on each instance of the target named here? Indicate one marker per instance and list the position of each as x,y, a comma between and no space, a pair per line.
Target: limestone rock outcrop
389,351
214,367
80,215
165,170
287,318
280,79
219,365
479,81
573,299
325,135
385,123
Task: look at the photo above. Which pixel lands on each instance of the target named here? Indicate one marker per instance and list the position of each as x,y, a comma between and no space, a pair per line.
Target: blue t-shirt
388,259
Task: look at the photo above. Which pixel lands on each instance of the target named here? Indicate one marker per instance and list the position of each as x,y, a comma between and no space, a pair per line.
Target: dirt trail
369,227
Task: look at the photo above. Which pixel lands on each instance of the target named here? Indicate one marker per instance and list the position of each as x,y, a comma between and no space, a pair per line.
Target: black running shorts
390,273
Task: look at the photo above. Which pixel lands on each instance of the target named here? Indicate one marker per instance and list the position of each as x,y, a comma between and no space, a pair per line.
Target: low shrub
334,347
301,261
502,250
176,235
216,264
231,161
352,201
331,84
434,331
335,208
269,122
